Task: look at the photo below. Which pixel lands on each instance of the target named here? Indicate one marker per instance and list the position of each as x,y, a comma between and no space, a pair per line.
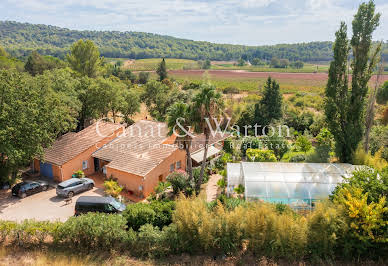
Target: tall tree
269,108
32,115
84,58
344,106
181,113
35,64
208,105
162,70
130,106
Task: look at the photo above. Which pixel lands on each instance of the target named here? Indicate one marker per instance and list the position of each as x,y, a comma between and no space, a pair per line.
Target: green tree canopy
32,115
344,107
162,70
84,58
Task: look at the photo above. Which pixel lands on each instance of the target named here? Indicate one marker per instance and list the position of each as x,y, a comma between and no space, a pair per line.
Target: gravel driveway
41,206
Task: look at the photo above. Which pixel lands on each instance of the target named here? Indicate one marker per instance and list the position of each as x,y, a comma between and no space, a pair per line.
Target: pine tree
270,106
344,106
162,70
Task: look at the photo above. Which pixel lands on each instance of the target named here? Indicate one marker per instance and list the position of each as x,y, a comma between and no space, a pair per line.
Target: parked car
27,188
73,186
86,204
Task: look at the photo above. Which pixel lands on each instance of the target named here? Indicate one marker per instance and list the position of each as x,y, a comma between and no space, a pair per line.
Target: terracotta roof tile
139,150
72,144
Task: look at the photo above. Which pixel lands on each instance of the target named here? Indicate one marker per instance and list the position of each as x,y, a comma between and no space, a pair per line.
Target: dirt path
212,188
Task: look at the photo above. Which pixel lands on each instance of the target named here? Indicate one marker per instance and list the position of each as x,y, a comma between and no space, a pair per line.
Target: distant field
152,63
253,81
308,68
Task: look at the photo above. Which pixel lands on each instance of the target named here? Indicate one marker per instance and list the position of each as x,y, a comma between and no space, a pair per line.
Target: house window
172,167
178,165
84,165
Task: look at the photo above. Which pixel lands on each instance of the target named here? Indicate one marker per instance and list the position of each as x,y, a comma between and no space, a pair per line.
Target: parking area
42,206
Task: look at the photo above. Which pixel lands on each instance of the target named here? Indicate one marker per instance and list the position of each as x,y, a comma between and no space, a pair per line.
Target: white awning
198,156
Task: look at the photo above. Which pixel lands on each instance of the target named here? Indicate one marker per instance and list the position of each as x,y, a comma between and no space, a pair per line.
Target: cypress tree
270,106
344,106
162,70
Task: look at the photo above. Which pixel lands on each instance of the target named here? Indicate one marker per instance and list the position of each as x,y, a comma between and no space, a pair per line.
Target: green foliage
367,220
158,98
382,94
303,143
297,64
270,106
162,70
378,138
300,121
325,141
206,64
250,143
92,231
344,107
257,62
228,145
277,144
143,77
297,158
32,115
37,64
327,226
257,155
157,213
112,188
360,157
79,174
84,58
240,189
138,214
180,182
21,38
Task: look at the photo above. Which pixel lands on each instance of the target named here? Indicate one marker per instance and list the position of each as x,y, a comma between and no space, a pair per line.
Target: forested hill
21,38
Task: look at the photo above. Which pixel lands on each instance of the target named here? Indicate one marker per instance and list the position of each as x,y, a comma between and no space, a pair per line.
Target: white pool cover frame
296,184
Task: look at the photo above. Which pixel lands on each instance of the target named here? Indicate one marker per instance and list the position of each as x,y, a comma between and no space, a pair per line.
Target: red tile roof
139,150
72,144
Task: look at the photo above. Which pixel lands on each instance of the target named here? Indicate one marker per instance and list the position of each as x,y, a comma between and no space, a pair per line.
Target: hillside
20,38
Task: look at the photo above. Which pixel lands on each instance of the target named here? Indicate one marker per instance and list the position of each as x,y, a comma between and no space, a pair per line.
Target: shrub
250,143
303,144
93,231
360,157
201,230
275,235
163,212
256,155
79,174
327,225
139,214
368,232
228,146
297,158
196,172
112,188
382,94
179,181
277,144
230,90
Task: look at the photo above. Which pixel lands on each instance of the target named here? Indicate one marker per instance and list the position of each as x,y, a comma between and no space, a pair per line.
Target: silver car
73,186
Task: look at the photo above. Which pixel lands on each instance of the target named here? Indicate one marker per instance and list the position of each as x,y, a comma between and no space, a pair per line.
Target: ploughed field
248,81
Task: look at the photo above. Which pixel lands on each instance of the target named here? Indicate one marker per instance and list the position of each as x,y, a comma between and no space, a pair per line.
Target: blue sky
252,22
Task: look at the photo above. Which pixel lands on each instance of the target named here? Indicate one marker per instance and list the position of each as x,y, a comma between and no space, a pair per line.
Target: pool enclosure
296,184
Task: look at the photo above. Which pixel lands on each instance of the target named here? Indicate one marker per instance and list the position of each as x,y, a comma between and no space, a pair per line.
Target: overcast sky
252,22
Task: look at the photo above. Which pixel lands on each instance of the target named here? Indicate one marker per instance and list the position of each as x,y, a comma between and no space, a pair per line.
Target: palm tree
207,106
181,112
